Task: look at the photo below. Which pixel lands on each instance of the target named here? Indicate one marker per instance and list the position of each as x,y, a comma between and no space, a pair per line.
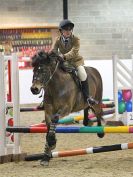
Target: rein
57,64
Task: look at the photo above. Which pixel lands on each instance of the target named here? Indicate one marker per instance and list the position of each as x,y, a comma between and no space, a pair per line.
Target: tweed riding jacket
69,50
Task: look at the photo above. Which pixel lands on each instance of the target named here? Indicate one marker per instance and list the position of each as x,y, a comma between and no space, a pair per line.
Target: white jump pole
115,86
2,108
15,98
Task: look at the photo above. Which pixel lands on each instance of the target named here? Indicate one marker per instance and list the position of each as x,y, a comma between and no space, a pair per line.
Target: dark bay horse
62,96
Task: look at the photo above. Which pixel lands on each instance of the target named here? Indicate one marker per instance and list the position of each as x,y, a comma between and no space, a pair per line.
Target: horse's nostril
31,89
34,90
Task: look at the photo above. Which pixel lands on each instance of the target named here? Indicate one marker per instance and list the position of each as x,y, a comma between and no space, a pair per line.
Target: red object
38,129
12,138
38,125
127,95
9,96
10,122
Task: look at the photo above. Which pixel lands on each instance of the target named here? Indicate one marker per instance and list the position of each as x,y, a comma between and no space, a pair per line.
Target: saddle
69,68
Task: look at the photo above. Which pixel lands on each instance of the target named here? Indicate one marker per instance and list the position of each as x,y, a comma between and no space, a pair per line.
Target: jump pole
70,129
28,109
70,119
90,150
108,105
107,99
24,109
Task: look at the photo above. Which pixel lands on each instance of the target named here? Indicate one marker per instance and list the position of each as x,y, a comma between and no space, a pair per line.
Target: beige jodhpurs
81,73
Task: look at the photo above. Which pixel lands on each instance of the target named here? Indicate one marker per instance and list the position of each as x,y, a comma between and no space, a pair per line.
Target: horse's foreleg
50,141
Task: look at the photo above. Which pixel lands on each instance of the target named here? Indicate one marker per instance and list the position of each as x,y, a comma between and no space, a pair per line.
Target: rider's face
66,32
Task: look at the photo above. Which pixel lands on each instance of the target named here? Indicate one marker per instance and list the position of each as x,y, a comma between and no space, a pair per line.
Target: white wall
25,82
106,71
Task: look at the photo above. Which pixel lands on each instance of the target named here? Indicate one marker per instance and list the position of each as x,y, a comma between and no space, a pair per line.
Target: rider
67,45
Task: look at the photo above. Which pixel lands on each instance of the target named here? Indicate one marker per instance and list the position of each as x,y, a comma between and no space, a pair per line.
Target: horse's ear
35,61
42,54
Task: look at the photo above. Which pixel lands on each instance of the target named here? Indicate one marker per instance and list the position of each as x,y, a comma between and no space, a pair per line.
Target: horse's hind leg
98,113
86,121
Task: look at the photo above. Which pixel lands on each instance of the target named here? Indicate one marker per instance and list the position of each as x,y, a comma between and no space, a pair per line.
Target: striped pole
31,109
90,150
28,109
109,105
70,129
107,99
70,119
38,125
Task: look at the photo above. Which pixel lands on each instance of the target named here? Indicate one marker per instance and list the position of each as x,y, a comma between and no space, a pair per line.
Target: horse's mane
42,58
39,58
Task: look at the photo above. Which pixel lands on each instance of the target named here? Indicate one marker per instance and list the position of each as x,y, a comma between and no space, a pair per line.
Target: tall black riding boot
85,89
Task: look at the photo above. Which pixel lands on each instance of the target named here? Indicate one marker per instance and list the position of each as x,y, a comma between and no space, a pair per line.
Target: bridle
47,76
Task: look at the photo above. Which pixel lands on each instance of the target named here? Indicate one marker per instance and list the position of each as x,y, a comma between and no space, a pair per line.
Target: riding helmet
66,24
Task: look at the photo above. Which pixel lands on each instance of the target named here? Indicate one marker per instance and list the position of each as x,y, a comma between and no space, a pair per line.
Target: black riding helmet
66,24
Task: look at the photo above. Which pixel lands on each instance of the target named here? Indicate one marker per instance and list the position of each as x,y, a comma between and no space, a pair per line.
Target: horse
62,95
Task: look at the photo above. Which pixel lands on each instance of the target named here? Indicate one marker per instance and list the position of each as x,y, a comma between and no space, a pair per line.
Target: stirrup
91,101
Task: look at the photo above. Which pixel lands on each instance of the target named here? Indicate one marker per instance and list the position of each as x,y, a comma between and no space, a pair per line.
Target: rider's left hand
61,57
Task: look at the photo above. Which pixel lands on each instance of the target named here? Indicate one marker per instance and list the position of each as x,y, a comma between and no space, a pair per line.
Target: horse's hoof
100,135
45,160
44,163
85,122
